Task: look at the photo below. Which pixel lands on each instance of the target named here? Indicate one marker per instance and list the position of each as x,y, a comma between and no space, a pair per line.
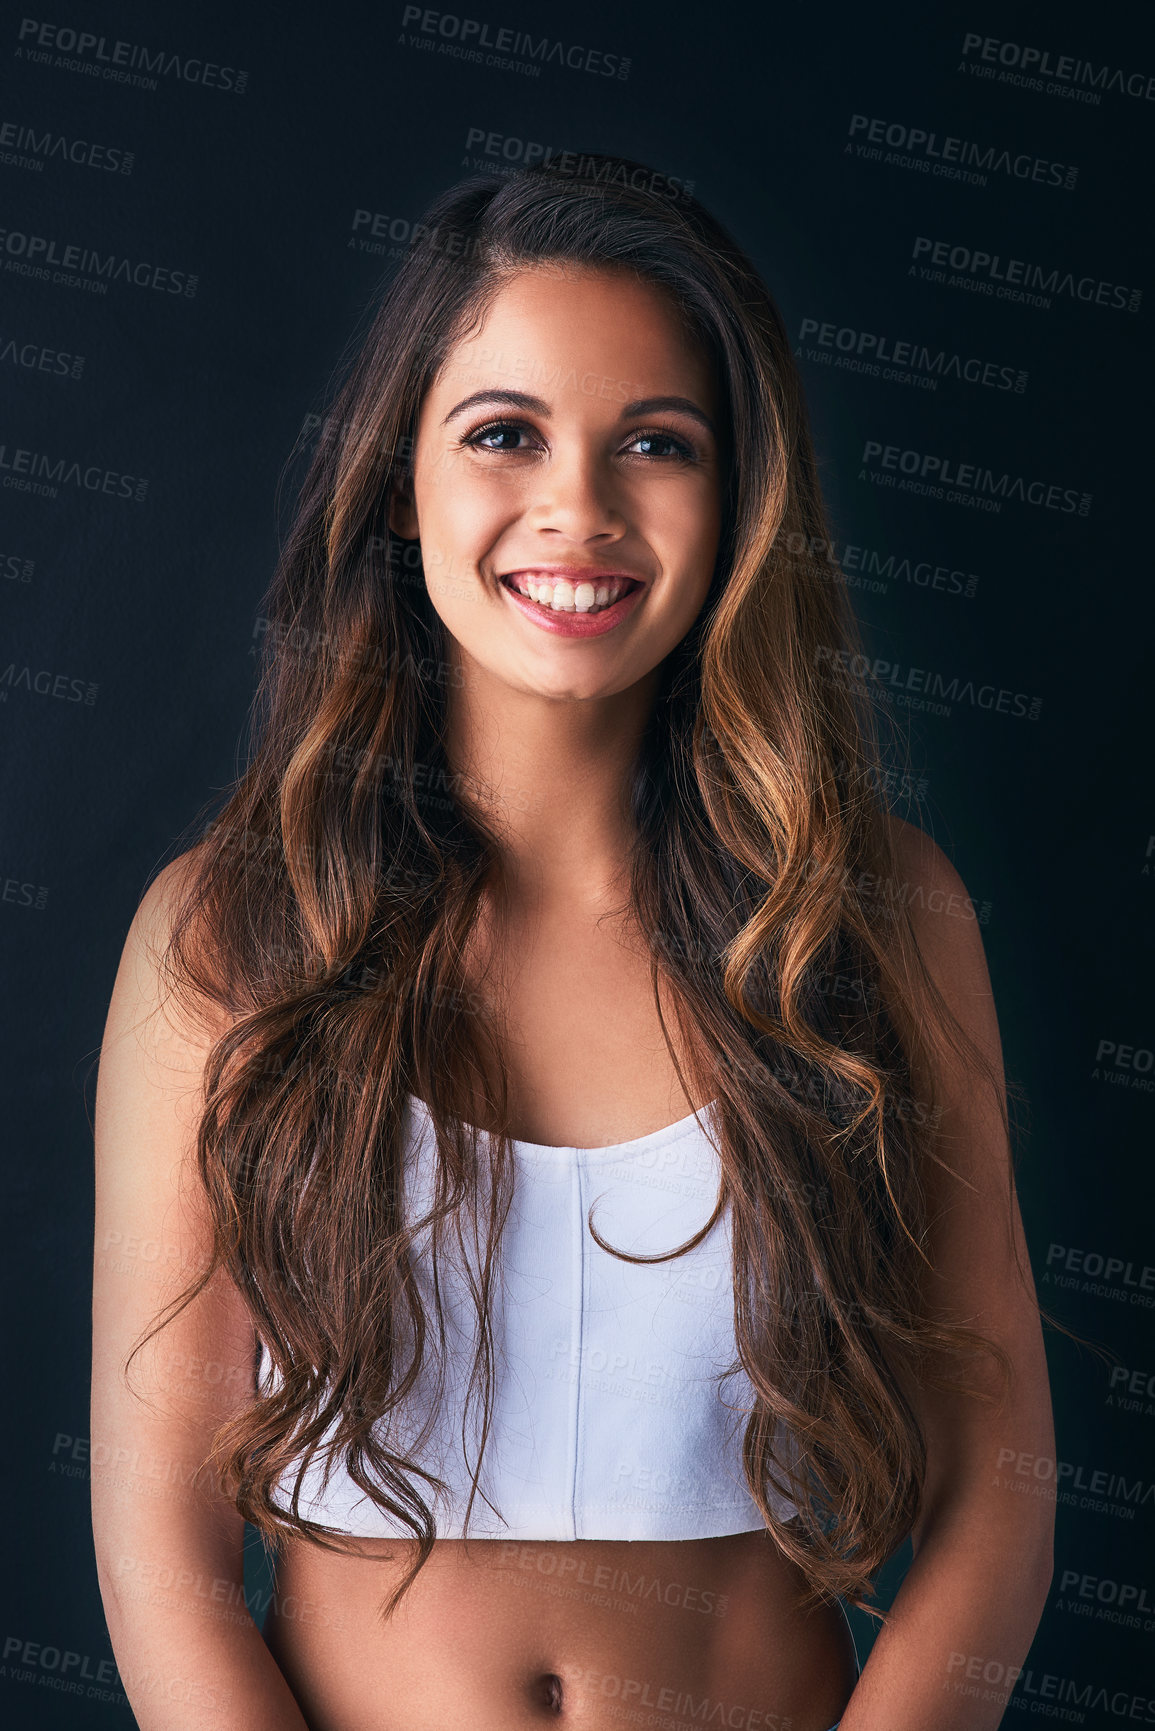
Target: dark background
129,623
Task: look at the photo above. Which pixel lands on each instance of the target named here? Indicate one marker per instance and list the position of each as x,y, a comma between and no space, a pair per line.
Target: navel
547,1692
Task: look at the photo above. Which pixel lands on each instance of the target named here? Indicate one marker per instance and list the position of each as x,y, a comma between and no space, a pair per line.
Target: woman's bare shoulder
148,993
164,895
921,860
945,924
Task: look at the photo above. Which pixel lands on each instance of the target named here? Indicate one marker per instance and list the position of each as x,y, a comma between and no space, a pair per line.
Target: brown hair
331,901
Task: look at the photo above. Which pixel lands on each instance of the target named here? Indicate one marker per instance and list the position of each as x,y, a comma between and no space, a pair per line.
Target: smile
571,595
573,604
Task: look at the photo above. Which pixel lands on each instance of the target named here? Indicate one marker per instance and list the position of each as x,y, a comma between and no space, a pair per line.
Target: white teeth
562,596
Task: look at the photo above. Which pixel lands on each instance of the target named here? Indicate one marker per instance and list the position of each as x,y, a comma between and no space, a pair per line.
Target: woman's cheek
682,528
476,512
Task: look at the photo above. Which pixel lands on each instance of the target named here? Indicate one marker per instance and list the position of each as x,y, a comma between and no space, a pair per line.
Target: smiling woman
590,1189
551,499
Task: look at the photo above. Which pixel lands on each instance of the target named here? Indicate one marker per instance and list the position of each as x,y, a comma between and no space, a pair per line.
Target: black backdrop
197,208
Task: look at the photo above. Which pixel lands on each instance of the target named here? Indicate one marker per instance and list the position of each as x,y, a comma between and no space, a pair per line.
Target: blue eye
514,436
496,430
675,447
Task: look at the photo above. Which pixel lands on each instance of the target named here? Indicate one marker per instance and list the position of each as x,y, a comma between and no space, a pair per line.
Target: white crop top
608,1419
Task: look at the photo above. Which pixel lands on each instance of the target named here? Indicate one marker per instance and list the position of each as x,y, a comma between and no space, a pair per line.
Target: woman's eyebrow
673,405
538,406
511,400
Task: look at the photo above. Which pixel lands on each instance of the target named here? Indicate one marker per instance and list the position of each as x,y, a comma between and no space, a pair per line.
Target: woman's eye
660,445
513,436
499,436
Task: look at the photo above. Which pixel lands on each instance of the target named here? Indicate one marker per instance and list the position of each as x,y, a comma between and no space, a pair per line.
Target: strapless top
612,1418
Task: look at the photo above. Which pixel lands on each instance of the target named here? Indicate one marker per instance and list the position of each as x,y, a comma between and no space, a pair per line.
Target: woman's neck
552,777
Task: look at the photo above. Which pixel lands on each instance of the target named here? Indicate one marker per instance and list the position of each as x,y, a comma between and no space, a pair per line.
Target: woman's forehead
606,332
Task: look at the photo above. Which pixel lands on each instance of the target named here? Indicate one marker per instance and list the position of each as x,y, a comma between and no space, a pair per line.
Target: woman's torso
497,1635
607,1632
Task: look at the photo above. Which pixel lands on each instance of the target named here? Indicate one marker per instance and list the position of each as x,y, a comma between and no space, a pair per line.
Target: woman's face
569,449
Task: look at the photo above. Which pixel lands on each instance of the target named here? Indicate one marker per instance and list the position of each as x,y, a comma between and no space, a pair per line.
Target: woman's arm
955,1640
168,1545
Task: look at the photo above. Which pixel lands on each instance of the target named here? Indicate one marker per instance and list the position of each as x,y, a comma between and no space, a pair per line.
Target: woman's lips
562,621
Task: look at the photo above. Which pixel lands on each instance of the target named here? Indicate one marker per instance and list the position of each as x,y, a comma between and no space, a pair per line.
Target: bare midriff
603,1635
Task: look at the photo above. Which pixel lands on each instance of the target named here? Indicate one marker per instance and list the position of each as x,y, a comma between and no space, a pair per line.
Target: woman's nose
575,495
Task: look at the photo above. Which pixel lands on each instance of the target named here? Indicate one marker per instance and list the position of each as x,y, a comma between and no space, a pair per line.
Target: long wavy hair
327,906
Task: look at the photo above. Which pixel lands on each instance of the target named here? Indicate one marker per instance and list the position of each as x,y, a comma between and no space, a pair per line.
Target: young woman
552,1165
